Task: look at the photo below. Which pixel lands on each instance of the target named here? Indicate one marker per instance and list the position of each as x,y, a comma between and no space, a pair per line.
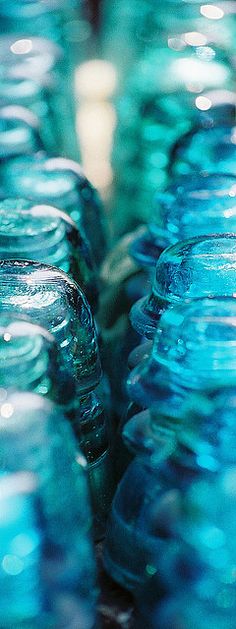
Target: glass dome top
45,234
54,301
194,349
199,267
60,182
208,150
195,205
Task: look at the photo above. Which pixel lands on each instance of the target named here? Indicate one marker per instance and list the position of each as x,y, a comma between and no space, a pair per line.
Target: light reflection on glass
211,11
21,46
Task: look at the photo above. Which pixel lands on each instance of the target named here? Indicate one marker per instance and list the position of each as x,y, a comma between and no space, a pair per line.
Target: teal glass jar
140,26
198,267
19,132
54,301
36,438
43,61
193,205
35,17
28,92
193,351
148,506
29,358
63,22
23,597
205,149
144,513
59,182
45,234
176,595
160,105
120,288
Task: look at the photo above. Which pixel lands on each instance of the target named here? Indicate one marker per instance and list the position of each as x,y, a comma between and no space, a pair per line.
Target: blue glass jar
194,350
145,508
45,234
35,437
140,26
29,358
205,149
146,512
54,301
160,105
35,17
23,597
43,61
197,267
120,281
28,92
59,182
200,551
19,132
194,205
65,23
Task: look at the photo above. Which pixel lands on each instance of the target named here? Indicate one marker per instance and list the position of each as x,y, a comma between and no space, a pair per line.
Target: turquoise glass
23,596
144,510
19,132
63,21
194,205
29,358
205,149
139,25
209,423
160,105
194,349
34,437
59,182
149,506
44,62
35,17
45,234
120,281
30,93
198,267
53,300
190,585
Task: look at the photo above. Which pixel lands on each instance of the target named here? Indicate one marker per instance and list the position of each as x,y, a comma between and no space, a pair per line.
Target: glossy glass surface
200,551
59,182
198,267
22,595
95,441
54,301
196,204
141,25
36,438
45,234
29,359
144,510
194,350
43,61
162,102
51,299
206,149
19,132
